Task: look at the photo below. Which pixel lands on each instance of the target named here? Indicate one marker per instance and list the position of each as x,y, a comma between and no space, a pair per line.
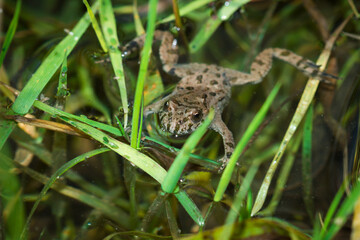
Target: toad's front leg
158,105
219,126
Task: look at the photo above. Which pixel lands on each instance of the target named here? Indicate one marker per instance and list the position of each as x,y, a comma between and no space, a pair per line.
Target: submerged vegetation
79,160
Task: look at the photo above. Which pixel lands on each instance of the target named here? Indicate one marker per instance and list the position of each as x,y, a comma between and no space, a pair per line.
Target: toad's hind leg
168,50
220,127
263,62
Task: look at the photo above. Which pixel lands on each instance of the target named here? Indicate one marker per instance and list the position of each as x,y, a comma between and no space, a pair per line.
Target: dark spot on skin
253,69
180,88
204,96
132,45
218,75
212,94
217,68
221,99
189,72
177,128
199,78
205,70
168,126
230,144
258,61
213,82
171,51
311,64
190,88
228,154
190,125
172,71
300,62
314,73
285,53
226,83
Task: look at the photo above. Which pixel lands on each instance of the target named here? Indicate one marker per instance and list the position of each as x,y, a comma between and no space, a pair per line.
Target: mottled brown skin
207,86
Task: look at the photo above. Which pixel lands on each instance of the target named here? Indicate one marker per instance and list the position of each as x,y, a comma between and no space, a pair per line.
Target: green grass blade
62,85
96,27
282,179
306,99
88,92
306,162
6,127
331,211
58,113
177,167
43,75
344,211
191,6
137,21
63,169
13,210
212,24
10,32
108,25
138,159
49,66
145,54
244,189
255,123
190,207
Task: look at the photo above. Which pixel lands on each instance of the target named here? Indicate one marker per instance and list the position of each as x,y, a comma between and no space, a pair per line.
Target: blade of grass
58,113
224,13
300,111
177,167
138,25
331,212
190,207
176,12
43,74
88,92
62,92
244,189
108,25
255,123
49,66
306,162
145,54
174,149
191,6
10,32
344,211
174,228
13,210
96,27
283,177
63,169
138,159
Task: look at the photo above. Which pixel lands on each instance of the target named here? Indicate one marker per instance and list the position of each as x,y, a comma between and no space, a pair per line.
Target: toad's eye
166,106
197,116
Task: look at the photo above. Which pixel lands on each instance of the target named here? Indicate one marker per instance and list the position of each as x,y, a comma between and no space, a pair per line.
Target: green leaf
255,123
145,54
108,25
